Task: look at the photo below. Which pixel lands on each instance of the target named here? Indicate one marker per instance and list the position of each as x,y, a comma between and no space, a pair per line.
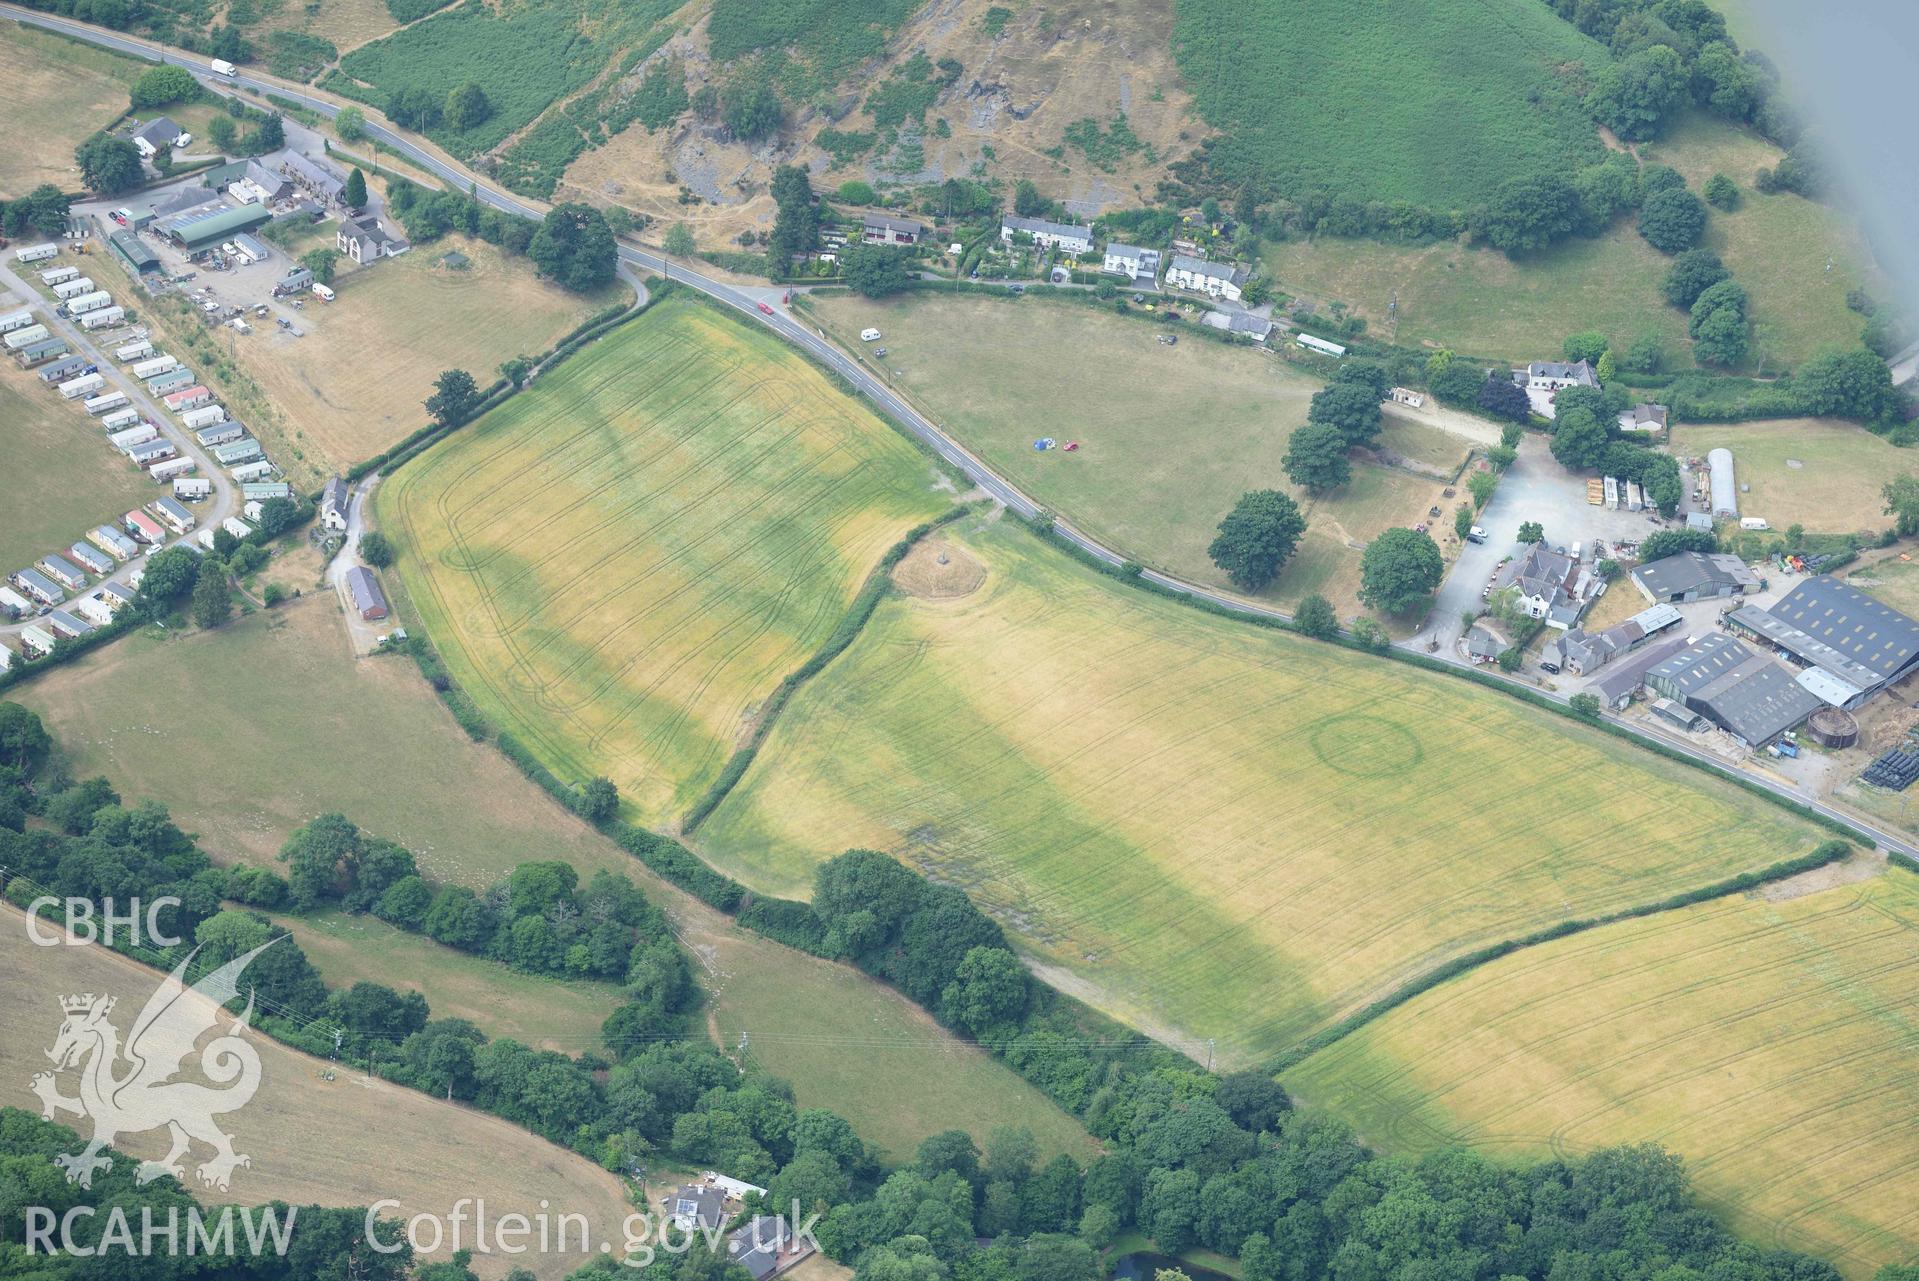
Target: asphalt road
225,499
748,300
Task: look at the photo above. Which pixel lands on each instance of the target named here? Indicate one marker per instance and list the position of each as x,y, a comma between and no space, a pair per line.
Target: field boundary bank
844,633
1826,853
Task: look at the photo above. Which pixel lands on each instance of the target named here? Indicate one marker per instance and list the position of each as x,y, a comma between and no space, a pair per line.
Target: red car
118,217
767,307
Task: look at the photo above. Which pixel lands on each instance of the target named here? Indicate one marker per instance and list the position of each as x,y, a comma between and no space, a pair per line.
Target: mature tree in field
1585,346
598,801
1672,220
1603,190
1722,193
1401,568
108,165
1847,384
1636,95
1481,485
1315,617
1315,458
1501,397
1722,337
679,242
353,195
1529,213
454,398
350,124
376,549
1027,202
1725,83
1724,295
1350,407
212,598
222,134
1365,373
751,109
989,988
1257,538
170,575
44,209
163,86
1579,439
1531,531
1691,275
575,248
1902,503
1646,353
796,219
874,270
1586,706
467,107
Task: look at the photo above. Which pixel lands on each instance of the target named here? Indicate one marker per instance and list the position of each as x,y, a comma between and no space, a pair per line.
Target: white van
1476,535
1577,548
869,335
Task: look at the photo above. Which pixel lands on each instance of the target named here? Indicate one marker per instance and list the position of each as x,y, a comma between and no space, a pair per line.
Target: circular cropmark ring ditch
1366,746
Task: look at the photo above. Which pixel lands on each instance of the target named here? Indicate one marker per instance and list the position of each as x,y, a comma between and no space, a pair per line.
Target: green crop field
1480,301
1170,436
63,477
534,1010
1770,1044
1207,829
622,561
1429,101
304,728
1820,473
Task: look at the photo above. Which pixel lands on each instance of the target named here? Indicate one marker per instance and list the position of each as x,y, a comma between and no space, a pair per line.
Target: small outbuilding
368,599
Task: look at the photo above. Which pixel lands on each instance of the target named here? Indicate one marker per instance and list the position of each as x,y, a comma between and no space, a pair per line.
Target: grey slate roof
705,1206
1684,572
158,133
1833,613
1759,702
1042,227
366,592
1578,372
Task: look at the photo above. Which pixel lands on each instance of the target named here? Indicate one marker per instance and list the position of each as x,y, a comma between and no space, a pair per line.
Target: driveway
363,635
1534,488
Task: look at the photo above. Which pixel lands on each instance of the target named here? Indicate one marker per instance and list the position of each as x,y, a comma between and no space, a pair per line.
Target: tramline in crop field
1208,830
1770,1044
622,561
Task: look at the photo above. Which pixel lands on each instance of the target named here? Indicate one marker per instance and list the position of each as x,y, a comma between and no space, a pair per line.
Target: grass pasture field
355,382
1477,300
1834,486
303,728
1170,436
62,477
1767,1043
544,1012
54,95
1209,830
1295,91
619,563
310,1139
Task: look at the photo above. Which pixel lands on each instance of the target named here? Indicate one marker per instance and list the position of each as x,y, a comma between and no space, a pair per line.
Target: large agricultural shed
1751,696
203,226
1850,645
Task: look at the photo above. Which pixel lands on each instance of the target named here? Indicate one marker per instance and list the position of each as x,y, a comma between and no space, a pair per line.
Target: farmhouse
1131,261
1688,576
1239,322
155,134
1647,417
367,240
333,504
1748,695
1849,645
248,181
310,176
1068,236
765,1246
1486,640
1544,379
879,229
1549,586
1214,279
694,1206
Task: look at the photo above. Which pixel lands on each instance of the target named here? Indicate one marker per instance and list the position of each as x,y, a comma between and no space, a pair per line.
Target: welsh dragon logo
130,1090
